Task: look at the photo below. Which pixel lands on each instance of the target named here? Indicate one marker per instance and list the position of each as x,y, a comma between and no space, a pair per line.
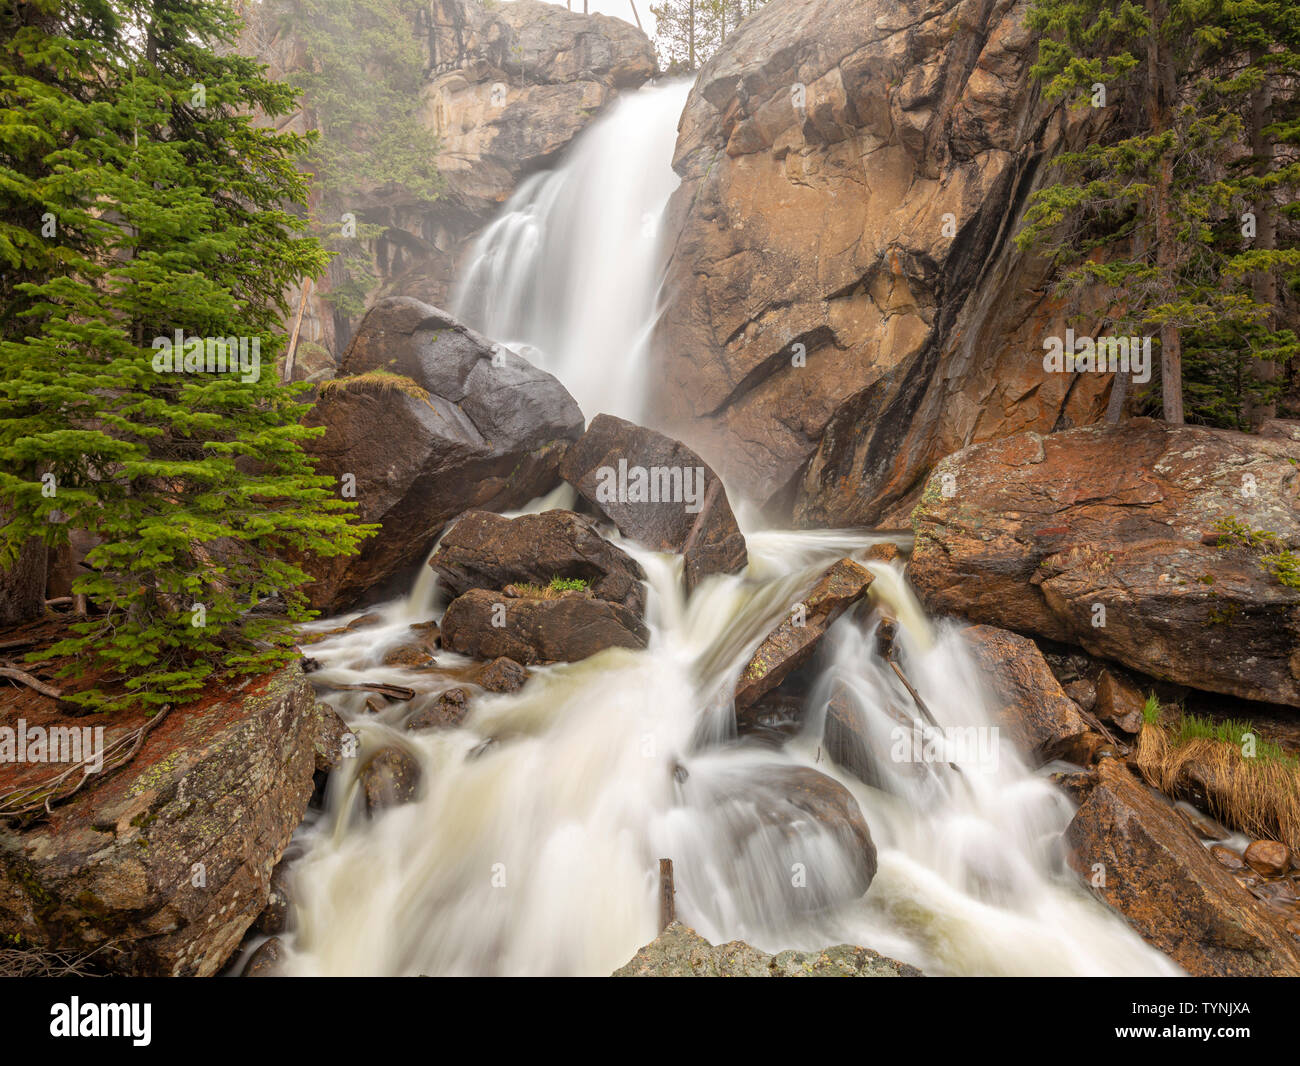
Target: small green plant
1231,731
1151,709
567,584
1281,562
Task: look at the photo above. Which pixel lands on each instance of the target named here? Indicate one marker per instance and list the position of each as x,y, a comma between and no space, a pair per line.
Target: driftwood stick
31,682
885,642
297,326
397,692
667,905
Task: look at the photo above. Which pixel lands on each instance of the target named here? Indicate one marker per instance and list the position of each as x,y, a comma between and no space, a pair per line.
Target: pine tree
1125,214
1252,69
139,205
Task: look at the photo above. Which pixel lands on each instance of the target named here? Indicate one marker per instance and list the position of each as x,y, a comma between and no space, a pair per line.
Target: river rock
265,961
532,631
446,712
1105,537
390,778
1168,886
169,857
659,493
331,738
479,432
1119,703
1268,857
487,551
846,304
680,951
793,641
791,794
1042,721
502,675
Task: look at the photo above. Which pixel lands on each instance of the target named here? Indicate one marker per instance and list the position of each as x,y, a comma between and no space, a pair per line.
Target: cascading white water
537,853
567,275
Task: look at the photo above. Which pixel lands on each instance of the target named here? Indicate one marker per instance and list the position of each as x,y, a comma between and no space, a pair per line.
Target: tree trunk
1264,283
1162,80
690,34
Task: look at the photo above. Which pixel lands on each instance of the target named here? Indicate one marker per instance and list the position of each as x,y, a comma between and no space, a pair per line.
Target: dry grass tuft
381,381
1258,795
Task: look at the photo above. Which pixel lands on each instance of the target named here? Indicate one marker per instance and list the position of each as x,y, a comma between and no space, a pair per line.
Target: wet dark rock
533,631
793,641
1227,858
1029,702
479,428
611,452
1083,692
265,961
502,675
330,733
446,712
275,915
485,550
389,779
1119,702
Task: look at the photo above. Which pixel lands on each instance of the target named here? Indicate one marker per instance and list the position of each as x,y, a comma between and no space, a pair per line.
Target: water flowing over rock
1169,887
792,643
485,550
486,624
165,863
475,426
508,88
846,306
1106,537
1043,722
680,951
659,493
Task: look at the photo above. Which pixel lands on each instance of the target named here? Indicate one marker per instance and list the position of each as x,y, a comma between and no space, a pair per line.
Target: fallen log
27,679
397,692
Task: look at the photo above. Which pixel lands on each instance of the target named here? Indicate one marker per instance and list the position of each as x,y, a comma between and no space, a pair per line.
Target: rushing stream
537,853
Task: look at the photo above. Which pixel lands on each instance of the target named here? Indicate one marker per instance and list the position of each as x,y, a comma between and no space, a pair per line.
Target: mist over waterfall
533,845
567,275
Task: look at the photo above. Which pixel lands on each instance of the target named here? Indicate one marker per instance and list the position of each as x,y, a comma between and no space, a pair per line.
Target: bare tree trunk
1264,282
691,35
1162,82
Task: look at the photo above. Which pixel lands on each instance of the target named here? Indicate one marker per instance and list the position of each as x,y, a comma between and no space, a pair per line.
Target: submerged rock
680,951
1144,860
446,712
485,550
502,675
1105,537
465,424
265,961
659,493
484,624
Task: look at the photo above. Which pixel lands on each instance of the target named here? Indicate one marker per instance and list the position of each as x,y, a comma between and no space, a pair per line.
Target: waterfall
567,274
537,853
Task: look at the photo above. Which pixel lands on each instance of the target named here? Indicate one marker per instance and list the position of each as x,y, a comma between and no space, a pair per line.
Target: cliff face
846,304
508,87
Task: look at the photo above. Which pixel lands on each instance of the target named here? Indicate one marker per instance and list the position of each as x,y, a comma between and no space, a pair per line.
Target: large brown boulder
1131,845
1033,709
485,624
485,550
659,493
793,641
846,302
1105,537
160,867
427,420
